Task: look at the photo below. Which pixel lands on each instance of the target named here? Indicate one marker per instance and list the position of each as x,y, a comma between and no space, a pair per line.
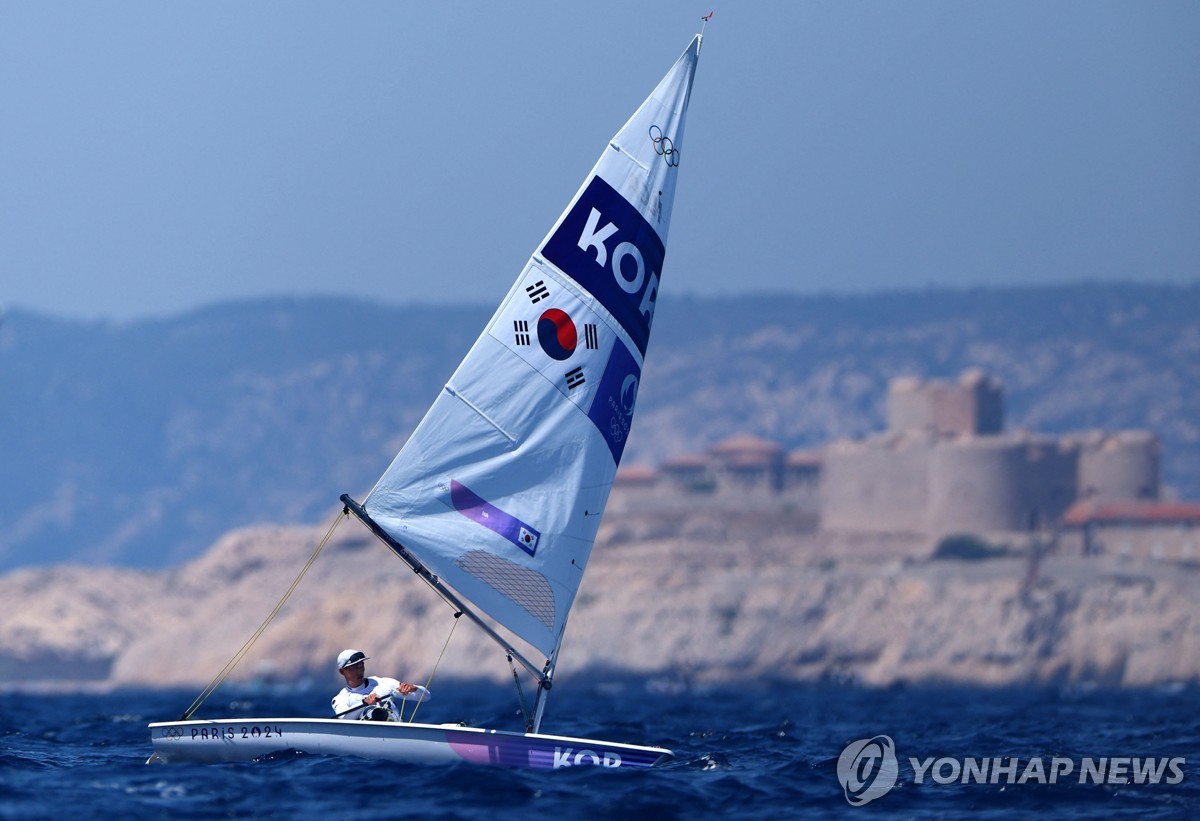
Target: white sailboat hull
247,739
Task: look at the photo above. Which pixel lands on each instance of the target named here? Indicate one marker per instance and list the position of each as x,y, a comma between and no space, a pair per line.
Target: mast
539,703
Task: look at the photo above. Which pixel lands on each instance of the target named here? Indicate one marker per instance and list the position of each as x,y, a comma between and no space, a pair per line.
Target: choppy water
749,753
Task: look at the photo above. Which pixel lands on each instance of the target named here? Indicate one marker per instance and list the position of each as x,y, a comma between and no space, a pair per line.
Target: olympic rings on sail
664,147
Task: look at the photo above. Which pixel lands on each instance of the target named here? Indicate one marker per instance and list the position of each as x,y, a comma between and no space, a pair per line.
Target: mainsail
500,489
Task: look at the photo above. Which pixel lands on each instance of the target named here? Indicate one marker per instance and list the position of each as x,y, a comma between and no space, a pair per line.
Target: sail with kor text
500,489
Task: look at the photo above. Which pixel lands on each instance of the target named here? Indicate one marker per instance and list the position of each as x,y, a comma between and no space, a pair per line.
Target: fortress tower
1118,466
946,466
972,406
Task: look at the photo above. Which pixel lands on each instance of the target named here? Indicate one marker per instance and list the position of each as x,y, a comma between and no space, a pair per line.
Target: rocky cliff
703,598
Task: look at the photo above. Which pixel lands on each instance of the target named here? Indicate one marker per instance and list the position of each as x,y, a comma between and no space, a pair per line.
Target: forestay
501,488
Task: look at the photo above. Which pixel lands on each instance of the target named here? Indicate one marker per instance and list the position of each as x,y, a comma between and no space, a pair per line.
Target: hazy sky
157,156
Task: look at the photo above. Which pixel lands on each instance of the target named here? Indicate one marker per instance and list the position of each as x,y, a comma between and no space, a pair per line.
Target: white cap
348,657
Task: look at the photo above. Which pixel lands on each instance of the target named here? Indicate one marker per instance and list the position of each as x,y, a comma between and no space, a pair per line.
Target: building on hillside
742,473
945,465
802,473
638,489
748,464
1133,529
689,472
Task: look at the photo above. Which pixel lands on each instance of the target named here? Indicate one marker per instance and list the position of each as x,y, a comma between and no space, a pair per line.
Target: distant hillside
140,444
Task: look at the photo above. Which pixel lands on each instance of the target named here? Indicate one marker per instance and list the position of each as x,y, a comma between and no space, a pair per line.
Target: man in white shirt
367,697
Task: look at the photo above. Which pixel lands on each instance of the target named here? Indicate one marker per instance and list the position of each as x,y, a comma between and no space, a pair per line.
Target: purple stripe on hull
539,754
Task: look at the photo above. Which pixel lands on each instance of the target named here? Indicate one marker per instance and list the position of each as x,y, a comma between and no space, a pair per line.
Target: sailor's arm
404,690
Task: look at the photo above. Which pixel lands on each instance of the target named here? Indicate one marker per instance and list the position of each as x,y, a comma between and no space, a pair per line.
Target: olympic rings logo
663,146
173,733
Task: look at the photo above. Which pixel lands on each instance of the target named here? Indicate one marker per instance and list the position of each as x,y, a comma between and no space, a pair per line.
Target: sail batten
459,396
499,490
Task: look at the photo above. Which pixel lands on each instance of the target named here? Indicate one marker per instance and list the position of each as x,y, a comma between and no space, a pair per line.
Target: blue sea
747,752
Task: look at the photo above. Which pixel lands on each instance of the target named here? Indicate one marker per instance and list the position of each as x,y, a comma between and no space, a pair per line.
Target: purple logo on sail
481,512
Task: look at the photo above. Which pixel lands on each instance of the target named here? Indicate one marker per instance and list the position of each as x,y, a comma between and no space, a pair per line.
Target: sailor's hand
405,688
371,699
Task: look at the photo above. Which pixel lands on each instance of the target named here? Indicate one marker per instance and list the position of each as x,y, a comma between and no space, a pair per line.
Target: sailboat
496,497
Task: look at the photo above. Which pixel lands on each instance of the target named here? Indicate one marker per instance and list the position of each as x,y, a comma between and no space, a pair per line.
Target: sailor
370,693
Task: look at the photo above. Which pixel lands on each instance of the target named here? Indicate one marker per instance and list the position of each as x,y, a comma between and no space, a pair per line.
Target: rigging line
432,673
520,694
241,654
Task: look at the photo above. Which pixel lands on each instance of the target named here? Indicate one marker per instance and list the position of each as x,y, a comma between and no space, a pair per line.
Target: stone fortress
944,466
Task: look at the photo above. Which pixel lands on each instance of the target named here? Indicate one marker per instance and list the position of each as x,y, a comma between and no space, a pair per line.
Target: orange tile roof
805,459
636,475
1084,513
745,443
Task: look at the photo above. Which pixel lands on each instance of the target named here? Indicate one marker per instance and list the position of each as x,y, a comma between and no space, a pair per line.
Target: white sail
501,488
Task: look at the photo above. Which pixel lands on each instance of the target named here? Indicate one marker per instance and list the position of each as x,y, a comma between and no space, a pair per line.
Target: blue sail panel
607,246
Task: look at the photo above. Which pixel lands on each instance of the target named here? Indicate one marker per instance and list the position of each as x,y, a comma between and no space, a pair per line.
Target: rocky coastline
702,599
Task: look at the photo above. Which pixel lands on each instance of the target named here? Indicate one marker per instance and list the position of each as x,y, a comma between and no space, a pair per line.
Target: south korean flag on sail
556,333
